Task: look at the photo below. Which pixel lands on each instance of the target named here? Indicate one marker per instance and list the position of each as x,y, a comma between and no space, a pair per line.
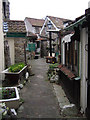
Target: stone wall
19,49
43,48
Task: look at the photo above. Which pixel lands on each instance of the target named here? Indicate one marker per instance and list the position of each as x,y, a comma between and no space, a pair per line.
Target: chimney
89,4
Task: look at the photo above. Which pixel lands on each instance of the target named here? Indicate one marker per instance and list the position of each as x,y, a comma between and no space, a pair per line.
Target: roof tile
57,21
36,22
16,26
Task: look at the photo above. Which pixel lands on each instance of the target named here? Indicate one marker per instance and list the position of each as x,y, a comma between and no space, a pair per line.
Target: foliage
7,93
51,66
16,67
21,100
52,71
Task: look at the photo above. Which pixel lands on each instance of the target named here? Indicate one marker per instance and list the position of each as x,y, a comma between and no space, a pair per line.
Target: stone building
56,25
33,27
4,15
16,38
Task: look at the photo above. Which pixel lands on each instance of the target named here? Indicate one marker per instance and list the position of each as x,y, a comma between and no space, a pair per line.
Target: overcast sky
69,9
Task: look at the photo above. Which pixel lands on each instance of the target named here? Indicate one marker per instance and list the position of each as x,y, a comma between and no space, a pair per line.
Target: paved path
39,97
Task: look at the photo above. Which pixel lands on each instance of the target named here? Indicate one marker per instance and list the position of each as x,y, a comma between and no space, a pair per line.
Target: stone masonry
19,49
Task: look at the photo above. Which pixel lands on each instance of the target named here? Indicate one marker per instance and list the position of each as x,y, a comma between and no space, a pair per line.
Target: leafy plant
16,67
53,65
7,93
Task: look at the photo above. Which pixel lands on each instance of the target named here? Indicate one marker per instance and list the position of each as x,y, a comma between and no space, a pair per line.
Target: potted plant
15,72
9,96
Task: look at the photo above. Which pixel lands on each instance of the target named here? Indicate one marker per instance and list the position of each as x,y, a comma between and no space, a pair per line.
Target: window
76,56
72,55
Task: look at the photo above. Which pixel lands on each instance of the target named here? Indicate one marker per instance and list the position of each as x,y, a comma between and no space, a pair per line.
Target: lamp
49,25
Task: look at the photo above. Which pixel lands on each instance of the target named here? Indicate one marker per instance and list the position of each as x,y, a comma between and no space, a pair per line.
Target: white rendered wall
63,52
84,65
12,51
29,27
1,41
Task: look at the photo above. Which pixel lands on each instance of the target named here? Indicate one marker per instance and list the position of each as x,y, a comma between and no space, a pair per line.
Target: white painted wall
84,66
1,41
62,52
65,39
29,27
80,59
12,50
45,23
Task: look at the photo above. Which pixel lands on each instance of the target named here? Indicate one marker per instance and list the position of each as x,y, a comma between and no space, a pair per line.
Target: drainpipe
50,39
25,53
63,52
60,47
83,95
87,13
1,42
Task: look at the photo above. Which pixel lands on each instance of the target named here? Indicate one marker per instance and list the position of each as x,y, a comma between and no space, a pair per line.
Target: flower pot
11,102
14,76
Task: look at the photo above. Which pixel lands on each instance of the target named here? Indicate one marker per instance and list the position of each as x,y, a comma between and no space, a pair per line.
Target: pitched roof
30,34
35,22
15,26
57,21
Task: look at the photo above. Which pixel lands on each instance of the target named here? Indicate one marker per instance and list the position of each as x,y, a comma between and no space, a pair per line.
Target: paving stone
39,98
43,99
67,109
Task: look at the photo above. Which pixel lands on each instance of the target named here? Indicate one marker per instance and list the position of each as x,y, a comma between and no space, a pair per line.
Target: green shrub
16,67
51,66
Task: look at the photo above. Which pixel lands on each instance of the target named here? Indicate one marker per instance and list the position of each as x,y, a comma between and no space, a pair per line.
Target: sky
69,9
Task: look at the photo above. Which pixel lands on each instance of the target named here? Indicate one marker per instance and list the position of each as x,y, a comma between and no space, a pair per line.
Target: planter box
14,77
13,102
50,59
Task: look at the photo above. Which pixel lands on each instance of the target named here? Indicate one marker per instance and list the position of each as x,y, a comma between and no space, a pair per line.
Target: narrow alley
42,99
38,95
44,66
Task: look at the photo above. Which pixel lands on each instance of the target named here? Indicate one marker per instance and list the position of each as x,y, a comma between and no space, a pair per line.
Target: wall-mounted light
49,25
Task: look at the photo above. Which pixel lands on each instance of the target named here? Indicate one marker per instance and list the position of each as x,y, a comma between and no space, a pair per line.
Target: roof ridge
34,18
57,17
14,21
